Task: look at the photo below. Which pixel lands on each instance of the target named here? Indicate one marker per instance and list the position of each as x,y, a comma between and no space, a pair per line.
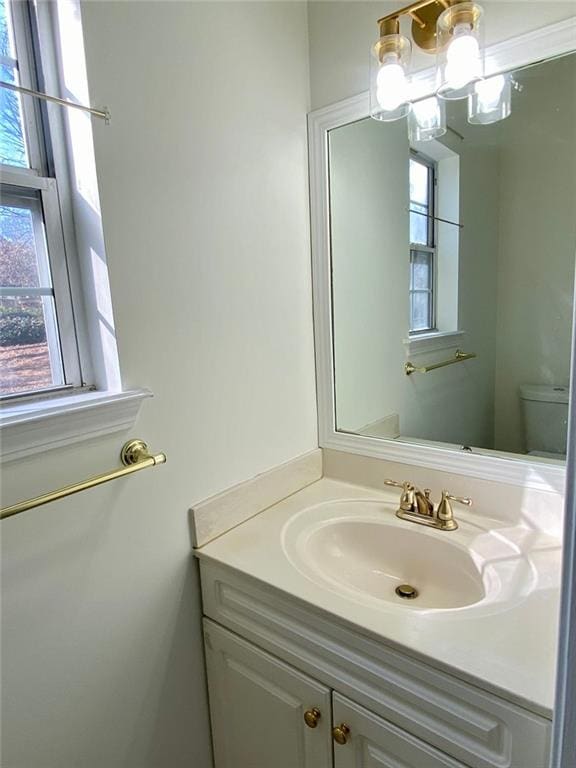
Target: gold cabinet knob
311,717
341,733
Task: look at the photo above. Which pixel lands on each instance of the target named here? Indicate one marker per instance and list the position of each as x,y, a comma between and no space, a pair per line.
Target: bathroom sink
362,549
376,558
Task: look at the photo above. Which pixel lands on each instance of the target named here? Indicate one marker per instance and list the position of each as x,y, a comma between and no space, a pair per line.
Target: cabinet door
375,743
258,705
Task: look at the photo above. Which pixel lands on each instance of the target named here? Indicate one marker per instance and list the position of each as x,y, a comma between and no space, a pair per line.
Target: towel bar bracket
134,451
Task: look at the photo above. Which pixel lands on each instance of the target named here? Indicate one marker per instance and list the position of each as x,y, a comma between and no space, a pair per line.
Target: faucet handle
396,484
444,512
407,498
460,499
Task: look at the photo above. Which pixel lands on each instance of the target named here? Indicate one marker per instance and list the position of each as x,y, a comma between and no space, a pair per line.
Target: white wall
203,188
537,242
341,33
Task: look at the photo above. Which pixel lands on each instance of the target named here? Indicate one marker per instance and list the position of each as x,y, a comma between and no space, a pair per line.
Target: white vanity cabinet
265,713
271,657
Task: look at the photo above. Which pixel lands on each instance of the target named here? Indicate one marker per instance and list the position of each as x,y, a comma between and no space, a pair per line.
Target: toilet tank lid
545,393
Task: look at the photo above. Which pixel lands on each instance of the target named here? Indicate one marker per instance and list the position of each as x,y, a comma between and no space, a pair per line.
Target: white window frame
93,402
44,179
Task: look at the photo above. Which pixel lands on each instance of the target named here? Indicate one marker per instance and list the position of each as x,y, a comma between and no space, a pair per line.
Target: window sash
60,322
414,249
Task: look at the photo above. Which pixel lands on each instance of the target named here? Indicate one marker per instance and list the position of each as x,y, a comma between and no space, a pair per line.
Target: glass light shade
427,119
389,81
491,100
460,62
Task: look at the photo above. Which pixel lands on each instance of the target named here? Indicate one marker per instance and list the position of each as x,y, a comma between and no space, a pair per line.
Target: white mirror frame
545,43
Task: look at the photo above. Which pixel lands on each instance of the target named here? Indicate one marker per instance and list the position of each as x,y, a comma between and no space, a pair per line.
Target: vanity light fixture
389,82
427,119
453,30
460,62
491,100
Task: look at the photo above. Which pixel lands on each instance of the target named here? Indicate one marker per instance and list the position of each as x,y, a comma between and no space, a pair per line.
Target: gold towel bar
134,455
459,357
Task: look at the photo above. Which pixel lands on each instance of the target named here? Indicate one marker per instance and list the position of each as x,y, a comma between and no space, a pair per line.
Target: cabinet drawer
477,728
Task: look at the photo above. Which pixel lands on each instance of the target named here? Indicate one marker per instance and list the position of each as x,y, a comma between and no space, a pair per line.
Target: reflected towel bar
459,357
135,456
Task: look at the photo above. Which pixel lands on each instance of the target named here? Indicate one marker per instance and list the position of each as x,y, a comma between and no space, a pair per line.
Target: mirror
453,273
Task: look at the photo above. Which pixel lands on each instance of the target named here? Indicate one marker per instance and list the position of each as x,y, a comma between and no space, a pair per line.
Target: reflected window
422,244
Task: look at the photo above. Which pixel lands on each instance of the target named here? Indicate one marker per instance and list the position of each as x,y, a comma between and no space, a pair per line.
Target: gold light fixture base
424,15
424,27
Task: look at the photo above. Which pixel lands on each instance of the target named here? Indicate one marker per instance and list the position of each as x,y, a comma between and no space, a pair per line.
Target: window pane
12,137
419,185
22,259
30,357
6,42
418,225
421,271
30,353
420,311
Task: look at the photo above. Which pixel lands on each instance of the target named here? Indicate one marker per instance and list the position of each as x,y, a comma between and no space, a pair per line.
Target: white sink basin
375,558
360,548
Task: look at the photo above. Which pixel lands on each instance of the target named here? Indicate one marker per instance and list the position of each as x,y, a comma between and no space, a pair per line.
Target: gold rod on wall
103,114
134,456
459,357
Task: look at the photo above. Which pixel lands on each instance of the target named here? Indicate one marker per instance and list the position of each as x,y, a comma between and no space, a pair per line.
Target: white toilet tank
545,410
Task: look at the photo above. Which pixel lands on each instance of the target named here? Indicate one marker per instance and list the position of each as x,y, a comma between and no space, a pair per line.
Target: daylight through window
35,304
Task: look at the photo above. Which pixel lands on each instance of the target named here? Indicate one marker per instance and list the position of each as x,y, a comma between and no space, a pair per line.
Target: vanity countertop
507,647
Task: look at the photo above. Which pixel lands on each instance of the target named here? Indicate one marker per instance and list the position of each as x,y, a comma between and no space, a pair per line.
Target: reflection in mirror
453,271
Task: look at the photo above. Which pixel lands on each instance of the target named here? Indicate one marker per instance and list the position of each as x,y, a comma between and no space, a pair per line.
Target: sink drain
406,592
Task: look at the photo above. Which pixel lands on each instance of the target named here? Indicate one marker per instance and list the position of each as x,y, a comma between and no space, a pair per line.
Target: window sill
432,342
28,428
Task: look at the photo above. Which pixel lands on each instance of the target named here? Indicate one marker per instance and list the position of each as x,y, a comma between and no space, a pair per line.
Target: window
59,370
422,245
38,346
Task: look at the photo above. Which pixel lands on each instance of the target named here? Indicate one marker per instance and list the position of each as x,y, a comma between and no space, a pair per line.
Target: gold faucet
417,506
